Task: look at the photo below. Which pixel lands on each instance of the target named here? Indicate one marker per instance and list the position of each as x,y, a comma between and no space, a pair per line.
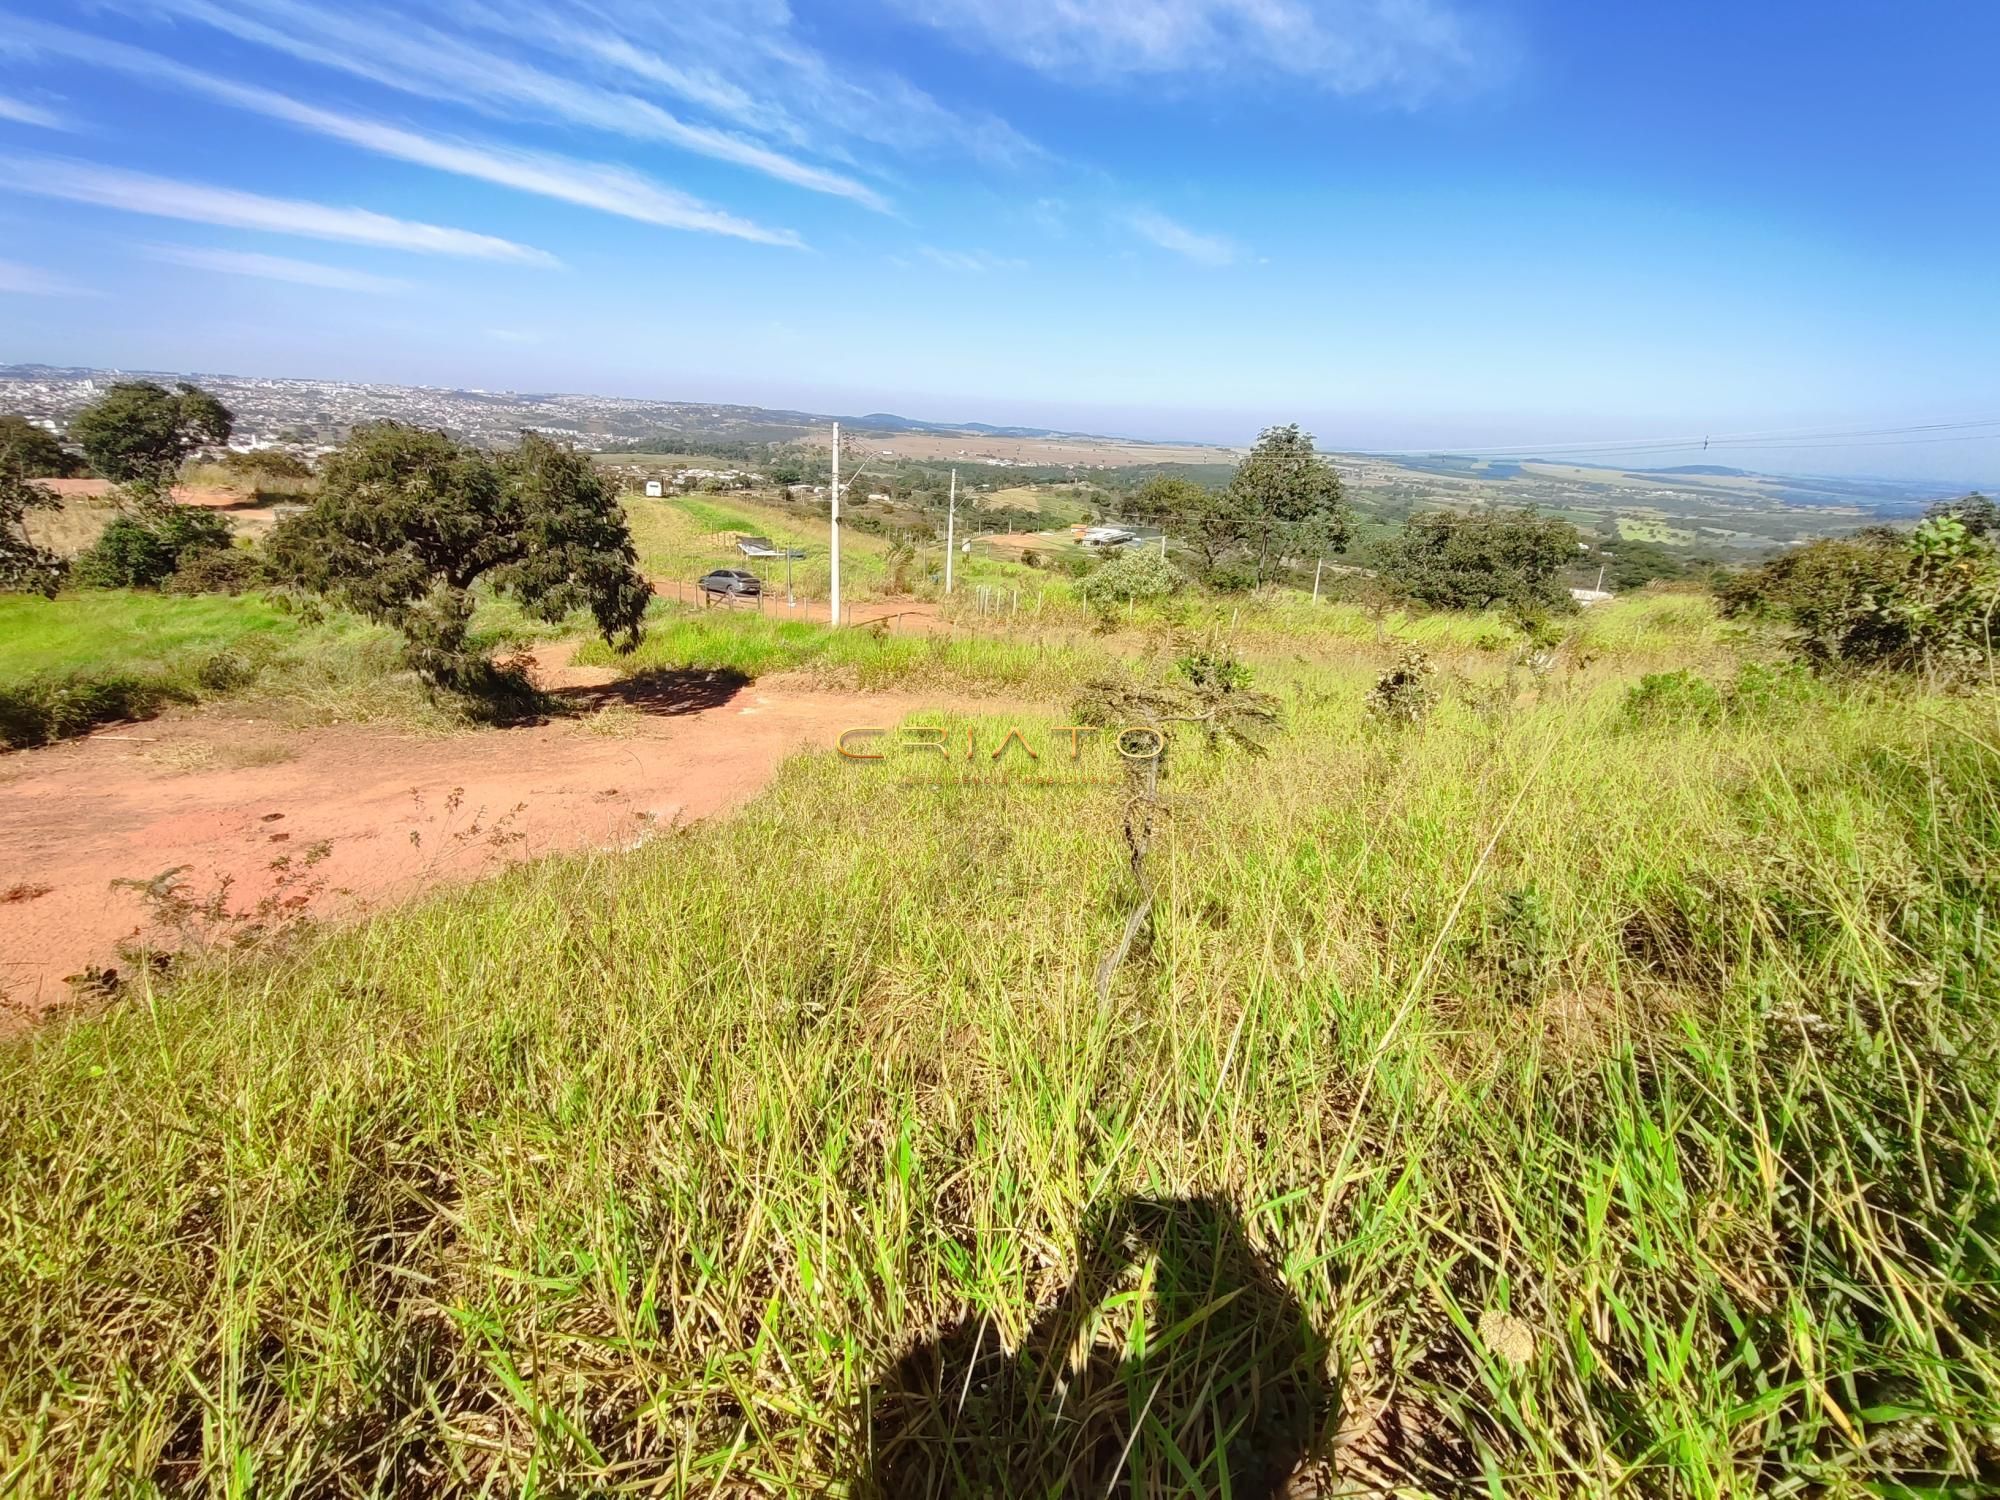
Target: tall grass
756,645
101,655
1613,1105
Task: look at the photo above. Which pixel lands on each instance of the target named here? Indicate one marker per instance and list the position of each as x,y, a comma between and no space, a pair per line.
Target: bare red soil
229,797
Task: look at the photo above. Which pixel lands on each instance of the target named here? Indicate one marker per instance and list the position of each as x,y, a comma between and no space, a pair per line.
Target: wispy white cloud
749,60
32,281
1168,234
198,203
969,260
23,113
610,189
1408,49
400,52
277,268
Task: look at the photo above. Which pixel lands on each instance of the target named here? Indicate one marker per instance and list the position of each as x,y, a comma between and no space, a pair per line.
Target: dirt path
227,797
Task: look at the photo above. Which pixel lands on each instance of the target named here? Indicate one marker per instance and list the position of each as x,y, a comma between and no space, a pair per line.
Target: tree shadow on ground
666,693
1176,1363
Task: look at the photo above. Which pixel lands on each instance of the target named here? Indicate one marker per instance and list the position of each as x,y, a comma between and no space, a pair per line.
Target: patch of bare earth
343,819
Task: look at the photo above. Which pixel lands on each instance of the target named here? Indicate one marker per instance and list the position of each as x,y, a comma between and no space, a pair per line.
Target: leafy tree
1203,520
407,521
33,451
1288,498
1511,559
24,566
143,547
140,433
1632,564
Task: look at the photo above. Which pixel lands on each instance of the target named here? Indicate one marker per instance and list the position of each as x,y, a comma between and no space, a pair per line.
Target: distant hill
884,421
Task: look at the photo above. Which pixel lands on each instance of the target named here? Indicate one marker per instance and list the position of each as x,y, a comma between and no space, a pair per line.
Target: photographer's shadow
1223,1392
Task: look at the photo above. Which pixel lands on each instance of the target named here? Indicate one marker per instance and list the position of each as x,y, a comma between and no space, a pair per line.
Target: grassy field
750,645
95,656
1046,505
681,538
1548,1098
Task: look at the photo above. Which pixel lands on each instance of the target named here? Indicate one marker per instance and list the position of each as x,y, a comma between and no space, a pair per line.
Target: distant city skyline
1405,224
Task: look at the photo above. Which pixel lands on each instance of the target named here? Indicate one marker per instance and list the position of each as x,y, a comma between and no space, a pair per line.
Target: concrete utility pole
833,613
950,516
1316,572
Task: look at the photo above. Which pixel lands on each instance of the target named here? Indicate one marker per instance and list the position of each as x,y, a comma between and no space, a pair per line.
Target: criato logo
1133,742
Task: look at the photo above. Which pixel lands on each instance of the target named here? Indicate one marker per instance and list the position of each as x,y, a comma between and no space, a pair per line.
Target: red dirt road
226,796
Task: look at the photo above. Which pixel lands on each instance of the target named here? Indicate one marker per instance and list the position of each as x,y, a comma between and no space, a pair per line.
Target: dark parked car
730,582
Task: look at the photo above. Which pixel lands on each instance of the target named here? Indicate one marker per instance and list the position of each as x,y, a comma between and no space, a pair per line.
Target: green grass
677,540
1549,1102
755,645
69,663
97,656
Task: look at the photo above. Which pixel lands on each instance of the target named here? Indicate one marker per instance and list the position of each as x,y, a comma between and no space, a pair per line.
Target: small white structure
1586,597
653,489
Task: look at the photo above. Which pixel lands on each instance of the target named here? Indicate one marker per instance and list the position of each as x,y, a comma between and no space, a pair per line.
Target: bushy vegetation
1135,573
1513,560
25,565
408,521
1283,500
1543,1107
1922,601
267,463
34,452
144,545
140,433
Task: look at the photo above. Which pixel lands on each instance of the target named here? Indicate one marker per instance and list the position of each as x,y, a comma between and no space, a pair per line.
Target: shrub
1511,559
25,566
1660,699
1232,578
1922,601
1405,693
218,570
1132,575
272,463
146,545
35,451
40,710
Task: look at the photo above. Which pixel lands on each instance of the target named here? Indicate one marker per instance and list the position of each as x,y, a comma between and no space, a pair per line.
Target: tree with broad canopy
408,520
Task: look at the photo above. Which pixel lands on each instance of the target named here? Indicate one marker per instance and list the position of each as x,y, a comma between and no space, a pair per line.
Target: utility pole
1316,572
1600,578
833,613
950,516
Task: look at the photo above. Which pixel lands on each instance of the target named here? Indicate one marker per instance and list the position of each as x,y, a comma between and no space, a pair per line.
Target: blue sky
1403,222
